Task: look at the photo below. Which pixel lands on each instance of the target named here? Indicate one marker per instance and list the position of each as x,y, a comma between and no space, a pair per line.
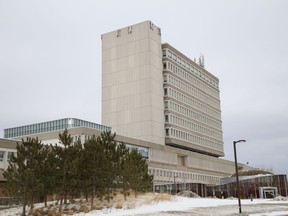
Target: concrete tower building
132,82
159,102
192,104
152,92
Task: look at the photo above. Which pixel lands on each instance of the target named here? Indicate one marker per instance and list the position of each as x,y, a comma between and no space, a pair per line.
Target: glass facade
144,151
250,187
197,188
48,126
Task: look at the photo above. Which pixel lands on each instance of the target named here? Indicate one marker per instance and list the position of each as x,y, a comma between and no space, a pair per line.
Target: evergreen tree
92,162
48,172
109,164
22,175
75,157
62,152
122,172
135,173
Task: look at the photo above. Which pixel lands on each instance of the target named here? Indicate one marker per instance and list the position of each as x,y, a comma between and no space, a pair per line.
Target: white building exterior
152,92
192,105
132,82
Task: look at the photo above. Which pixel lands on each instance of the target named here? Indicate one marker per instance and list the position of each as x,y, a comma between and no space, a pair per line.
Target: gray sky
50,62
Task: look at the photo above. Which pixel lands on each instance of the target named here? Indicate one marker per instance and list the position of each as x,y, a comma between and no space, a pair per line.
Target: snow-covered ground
201,206
183,206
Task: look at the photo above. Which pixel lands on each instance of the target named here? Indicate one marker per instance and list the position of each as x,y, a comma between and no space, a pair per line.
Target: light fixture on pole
237,176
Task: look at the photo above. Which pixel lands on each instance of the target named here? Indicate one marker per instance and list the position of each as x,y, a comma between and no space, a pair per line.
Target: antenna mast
201,61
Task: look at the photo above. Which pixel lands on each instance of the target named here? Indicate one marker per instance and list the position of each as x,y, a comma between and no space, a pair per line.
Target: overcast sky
50,62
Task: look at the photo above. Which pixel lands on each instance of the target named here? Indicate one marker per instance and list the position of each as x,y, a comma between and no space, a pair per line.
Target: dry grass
155,198
117,202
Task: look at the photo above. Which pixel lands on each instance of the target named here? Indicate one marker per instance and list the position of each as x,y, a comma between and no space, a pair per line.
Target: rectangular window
174,57
165,92
165,78
166,118
9,156
164,53
166,104
167,131
164,65
1,155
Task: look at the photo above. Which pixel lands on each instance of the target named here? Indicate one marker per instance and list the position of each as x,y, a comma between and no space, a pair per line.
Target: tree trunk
92,200
24,209
61,203
125,193
65,198
45,200
108,195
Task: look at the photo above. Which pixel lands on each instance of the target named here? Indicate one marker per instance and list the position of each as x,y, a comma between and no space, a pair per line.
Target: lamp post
237,177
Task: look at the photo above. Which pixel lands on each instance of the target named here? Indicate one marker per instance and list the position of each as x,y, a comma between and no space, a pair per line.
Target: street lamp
237,177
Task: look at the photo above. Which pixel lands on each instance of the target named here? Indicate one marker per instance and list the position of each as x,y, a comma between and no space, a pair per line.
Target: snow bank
160,205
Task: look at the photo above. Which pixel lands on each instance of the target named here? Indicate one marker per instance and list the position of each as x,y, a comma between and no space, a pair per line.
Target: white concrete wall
161,156
132,82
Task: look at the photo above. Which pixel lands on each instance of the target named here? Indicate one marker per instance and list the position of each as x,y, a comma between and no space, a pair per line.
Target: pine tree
48,172
62,152
135,173
75,157
122,172
23,172
109,164
92,166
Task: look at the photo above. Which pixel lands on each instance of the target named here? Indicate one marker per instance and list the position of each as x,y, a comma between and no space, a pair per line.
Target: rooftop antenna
201,61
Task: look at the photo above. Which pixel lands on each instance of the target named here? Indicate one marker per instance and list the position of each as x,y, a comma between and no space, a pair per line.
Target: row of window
171,119
192,102
9,155
191,79
191,138
170,105
35,128
51,126
193,91
189,67
144,151
182,176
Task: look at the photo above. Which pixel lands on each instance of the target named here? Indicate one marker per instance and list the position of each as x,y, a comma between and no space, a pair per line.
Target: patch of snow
277,213
185,205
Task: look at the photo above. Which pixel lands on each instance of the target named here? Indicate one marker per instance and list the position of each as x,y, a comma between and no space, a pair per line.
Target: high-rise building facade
192,104
152,92
132,82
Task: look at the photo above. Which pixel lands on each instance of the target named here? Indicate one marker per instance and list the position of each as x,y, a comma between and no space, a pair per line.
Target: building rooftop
49,126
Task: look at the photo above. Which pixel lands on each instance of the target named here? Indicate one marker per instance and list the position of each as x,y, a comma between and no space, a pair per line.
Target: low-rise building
172,168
